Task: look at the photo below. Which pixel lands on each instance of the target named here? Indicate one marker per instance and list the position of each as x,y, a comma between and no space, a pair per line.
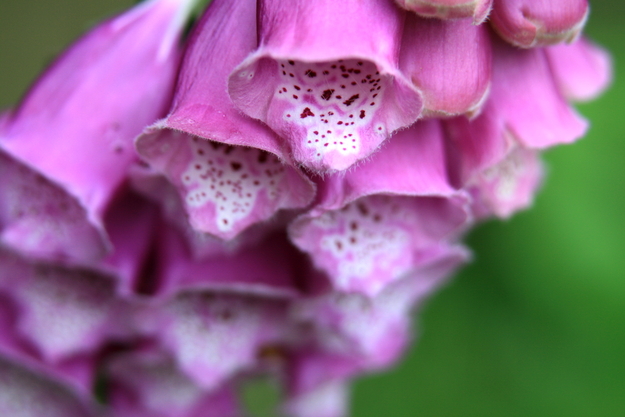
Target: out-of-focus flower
71,136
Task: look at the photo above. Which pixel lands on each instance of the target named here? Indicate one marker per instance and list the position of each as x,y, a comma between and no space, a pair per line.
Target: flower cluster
272,195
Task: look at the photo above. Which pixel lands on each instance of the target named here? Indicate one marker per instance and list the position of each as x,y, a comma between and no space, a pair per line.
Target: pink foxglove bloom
230,170
330,85
74,131
273,195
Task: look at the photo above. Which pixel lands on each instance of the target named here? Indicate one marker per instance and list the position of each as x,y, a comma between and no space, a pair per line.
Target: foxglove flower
325,76
229,170
71,136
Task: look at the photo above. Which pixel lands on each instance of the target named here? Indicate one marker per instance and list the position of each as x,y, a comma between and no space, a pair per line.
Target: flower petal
373,241
449,61
510,185
449,9
76,125
236,178
213,336
530,23
25,393
326,70
526,100
149,384
582,70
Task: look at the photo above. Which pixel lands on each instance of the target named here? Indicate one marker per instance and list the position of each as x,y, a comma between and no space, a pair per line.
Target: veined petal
525,98
449,61
325,77
227,168
212,336
76,125
581,70
449,9
510,185
374,240
530,23
149,384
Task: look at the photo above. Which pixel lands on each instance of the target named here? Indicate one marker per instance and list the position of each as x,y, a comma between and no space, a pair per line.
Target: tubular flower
275,201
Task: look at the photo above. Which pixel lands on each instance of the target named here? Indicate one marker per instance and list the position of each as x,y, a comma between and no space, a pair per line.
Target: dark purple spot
235,166
297,87
310,73
362,114
262,157
345,75
291,62
295,97
306,113
350,100
327,94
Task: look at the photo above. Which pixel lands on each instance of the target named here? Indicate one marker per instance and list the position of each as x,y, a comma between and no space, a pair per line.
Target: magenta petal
268,268
234,177
413,163
511,184
582,70
25,393
149,384
318,78
130,223
76,125
376,239
527,102
529,23
213,336
449,61
449,9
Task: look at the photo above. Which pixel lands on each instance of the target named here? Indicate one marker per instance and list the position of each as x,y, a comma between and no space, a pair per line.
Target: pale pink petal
378,329
227,168
376,239
149,384
213,336
76,125
582,70
450,9
225,189
63,312
449,62
510,185
324,71
328,400
530,23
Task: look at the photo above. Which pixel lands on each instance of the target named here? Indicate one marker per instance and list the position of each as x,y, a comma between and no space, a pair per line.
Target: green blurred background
535,326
